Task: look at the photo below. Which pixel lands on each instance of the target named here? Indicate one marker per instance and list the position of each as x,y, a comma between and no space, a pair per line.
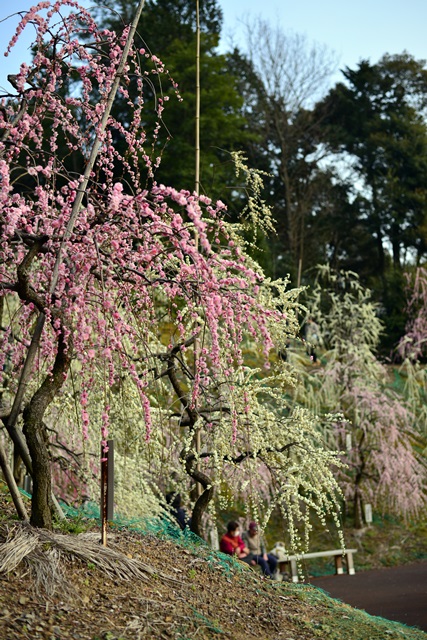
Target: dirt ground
185,596
58,586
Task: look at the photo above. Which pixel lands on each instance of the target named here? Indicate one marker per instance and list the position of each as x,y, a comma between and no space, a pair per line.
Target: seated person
232,544
267,561
174,500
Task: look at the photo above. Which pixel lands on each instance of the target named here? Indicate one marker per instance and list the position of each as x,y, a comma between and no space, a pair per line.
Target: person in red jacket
232,544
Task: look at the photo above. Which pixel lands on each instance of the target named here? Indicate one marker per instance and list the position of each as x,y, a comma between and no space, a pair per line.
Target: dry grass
45,554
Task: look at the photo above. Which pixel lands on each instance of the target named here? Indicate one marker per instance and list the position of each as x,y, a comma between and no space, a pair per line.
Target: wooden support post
107,488
338,565
11,484
28,484
294,569
110,481
350,565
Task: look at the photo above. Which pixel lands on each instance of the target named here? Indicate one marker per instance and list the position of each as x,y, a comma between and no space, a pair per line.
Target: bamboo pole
198,443
197,145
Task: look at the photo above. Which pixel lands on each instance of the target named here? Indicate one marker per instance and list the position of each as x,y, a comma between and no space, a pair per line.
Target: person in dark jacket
174,500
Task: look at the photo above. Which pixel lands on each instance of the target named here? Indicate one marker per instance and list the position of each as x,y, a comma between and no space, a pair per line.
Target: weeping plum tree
106,284
412,348
413,345
377,430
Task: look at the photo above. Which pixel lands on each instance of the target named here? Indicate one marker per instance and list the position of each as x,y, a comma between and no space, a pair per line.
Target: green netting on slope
160,527
163,528
353,623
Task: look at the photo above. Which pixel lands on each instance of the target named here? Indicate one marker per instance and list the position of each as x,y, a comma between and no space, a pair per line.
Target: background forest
346,164
176,322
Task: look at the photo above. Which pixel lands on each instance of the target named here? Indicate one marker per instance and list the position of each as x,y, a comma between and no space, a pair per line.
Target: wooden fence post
107,487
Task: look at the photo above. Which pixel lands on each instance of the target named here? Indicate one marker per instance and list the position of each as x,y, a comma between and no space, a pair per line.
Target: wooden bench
337,554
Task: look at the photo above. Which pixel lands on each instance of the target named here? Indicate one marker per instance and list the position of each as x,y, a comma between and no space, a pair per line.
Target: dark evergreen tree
168,29
378,118
376,122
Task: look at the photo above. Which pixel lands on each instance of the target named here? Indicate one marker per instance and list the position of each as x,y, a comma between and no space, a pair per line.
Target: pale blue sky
354,30
366,29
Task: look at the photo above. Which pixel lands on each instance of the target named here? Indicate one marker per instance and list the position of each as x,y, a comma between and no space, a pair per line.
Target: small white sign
368,513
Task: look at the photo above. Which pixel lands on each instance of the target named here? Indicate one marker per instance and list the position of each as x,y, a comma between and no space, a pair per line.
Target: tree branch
248,454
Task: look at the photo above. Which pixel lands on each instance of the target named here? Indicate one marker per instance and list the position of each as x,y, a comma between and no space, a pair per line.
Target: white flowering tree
130,309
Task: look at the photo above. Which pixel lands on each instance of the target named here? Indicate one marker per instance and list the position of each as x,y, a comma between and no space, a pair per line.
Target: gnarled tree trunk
37,437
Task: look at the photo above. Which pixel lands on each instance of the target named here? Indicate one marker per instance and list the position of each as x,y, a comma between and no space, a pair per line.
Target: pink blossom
131,254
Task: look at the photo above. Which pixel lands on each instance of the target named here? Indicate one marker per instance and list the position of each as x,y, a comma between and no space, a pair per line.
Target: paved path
395,593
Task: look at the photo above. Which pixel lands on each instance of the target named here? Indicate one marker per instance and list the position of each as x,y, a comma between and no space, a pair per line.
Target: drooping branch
11,483
34,412
24,290
252,455
19,115
97,144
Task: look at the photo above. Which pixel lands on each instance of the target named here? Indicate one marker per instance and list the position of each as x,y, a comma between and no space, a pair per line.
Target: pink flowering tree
412,349
414,343
120,286
373,424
